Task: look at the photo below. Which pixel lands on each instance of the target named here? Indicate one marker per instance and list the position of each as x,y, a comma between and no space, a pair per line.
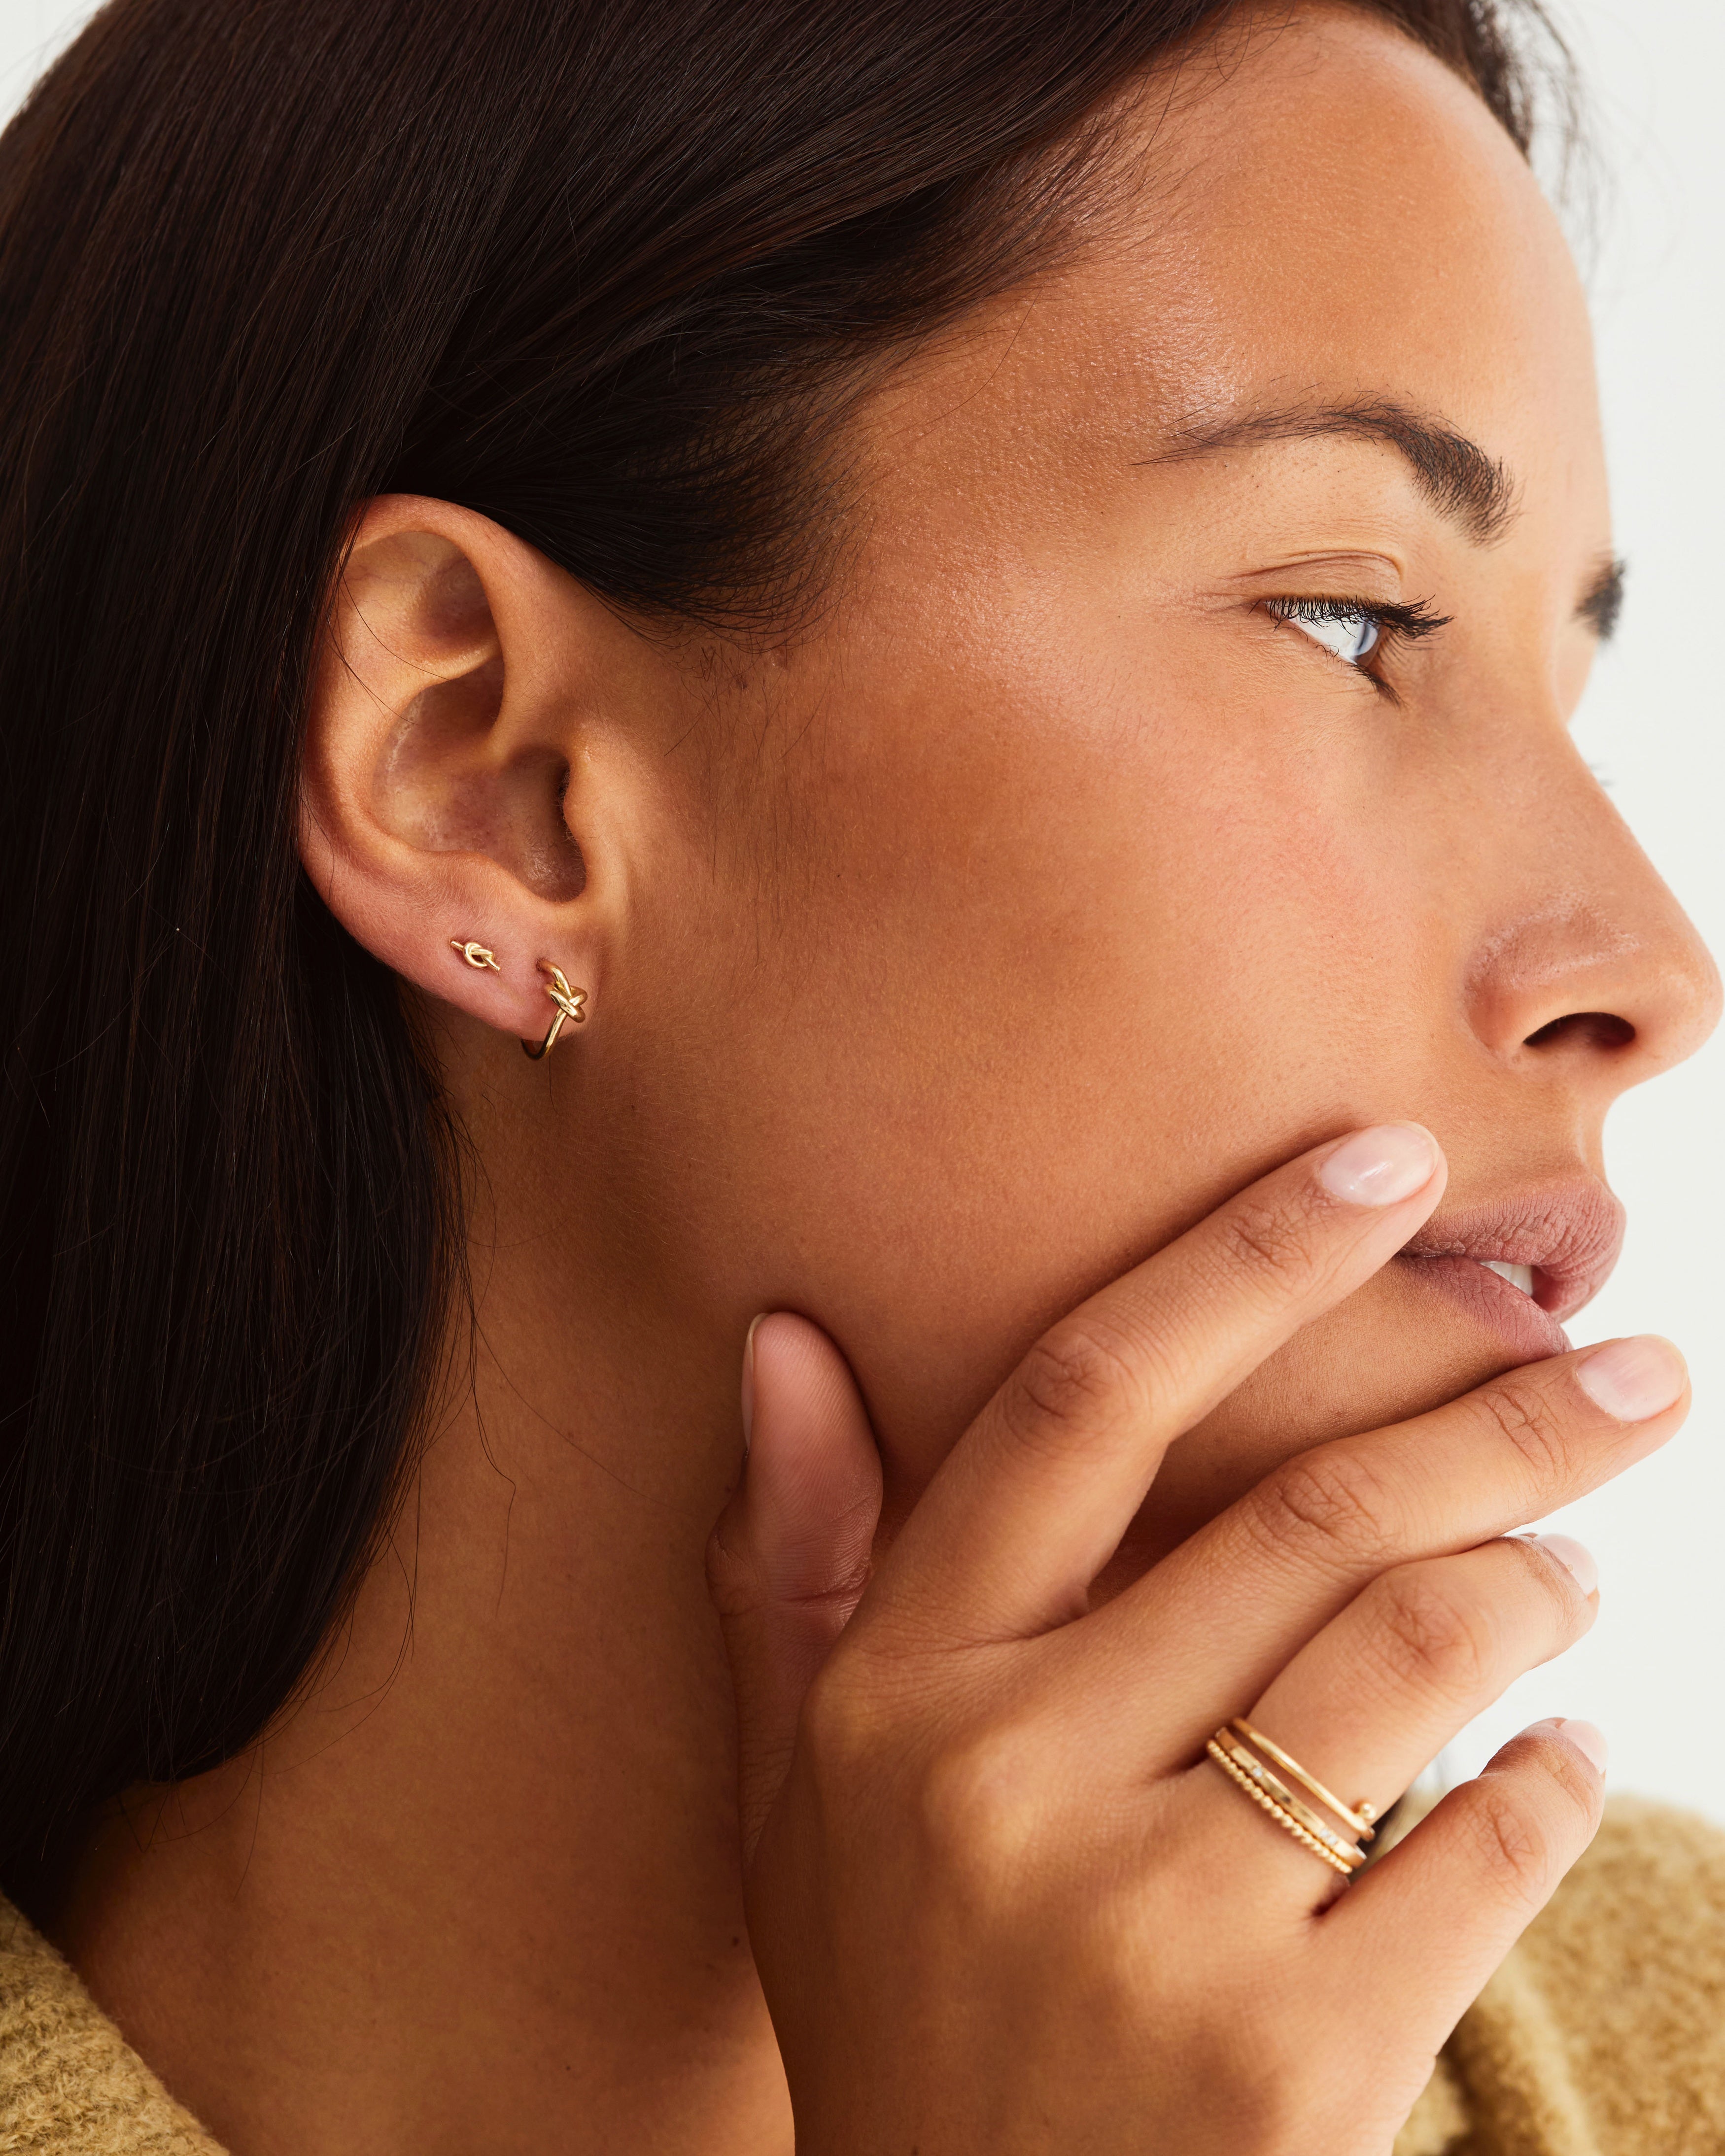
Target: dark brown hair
590,267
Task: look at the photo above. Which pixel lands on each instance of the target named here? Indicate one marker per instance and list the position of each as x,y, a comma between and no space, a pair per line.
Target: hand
1000,1900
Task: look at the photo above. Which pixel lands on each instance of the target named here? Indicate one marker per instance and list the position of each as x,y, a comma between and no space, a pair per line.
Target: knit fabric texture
1602,2035
69,2080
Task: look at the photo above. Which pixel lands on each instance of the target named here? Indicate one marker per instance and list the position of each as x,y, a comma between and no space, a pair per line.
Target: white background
1650,1672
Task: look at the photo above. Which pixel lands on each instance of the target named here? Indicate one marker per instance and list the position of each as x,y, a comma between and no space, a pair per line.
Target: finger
1431,1922
1210,1627
1412,1660
1027,1507
789,1558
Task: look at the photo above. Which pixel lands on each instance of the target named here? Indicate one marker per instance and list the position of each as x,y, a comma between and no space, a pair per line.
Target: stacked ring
1358,1819
1281,1818
1291,1813
1349,1854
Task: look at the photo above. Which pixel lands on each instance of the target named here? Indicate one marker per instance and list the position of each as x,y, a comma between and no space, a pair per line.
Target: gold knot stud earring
476,955
569,1002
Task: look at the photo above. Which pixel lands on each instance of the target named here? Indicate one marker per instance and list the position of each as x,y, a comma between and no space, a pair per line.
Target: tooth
1521,1276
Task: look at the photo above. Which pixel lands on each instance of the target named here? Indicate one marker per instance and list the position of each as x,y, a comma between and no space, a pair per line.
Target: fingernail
1380,1167
1633,1379
1588,1740
1575,1558
748,1381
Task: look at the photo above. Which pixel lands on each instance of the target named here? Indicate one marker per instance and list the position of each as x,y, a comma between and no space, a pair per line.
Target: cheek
1049,975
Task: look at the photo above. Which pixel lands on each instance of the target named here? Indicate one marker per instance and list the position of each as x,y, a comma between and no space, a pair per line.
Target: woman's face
1057,883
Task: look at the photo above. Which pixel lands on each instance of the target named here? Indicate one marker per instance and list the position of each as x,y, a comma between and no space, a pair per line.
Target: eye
1342,626
1353,629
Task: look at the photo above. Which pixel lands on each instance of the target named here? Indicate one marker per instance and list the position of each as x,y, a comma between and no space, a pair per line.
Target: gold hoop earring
568,1001
475,954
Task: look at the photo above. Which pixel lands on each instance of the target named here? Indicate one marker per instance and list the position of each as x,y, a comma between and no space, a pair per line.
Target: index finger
1030,1504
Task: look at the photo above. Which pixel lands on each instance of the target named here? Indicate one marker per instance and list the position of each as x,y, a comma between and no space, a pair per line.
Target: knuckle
974,1803
1329,1506
1432,1637
1074,1378
1513,1844
1523,1415
1276,1243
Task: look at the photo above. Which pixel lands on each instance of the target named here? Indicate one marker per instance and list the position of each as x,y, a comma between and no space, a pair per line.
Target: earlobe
444,726
571,1005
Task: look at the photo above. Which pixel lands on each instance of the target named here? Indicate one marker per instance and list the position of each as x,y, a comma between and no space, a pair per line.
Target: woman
963,619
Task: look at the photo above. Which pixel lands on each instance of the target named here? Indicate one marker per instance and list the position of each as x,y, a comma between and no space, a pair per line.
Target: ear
436,804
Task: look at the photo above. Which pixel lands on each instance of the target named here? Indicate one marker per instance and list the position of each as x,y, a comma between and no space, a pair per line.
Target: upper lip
1570,1233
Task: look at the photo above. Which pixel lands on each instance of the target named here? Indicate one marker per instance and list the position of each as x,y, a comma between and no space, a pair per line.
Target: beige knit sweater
1603,2034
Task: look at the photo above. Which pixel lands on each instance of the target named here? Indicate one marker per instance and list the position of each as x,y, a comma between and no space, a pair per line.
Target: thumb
789,1558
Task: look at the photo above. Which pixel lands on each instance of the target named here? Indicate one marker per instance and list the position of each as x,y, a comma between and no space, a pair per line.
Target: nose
1591,970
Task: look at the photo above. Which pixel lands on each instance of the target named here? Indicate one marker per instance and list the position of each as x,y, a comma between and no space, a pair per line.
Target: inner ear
454,775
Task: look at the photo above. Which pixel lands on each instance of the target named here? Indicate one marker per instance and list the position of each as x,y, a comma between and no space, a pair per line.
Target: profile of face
1177,773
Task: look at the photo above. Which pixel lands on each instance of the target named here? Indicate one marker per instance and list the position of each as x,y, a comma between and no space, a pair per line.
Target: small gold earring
568,1001
477,956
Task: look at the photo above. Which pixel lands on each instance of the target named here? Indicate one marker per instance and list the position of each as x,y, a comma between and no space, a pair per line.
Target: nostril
1599,1030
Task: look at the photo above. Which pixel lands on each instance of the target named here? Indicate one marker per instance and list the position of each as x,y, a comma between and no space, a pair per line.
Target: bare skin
984,1840
941,964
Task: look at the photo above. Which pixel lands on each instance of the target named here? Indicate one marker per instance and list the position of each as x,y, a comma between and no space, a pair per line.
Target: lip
1570,1233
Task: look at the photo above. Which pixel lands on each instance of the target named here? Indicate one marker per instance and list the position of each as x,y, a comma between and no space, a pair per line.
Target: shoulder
1604,2029
69,2080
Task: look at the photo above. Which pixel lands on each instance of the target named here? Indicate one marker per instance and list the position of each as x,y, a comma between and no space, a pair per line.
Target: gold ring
1268,1804
1358,1818
1345,1852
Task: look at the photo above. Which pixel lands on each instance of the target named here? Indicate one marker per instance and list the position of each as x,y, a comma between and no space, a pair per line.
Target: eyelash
1394,623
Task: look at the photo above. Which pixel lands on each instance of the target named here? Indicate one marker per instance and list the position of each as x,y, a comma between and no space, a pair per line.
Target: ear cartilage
476,955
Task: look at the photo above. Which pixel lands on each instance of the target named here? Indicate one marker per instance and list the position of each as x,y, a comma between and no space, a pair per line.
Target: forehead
1309,212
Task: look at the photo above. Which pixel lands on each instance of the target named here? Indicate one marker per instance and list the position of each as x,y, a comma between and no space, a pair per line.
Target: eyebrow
1455,475
1461,482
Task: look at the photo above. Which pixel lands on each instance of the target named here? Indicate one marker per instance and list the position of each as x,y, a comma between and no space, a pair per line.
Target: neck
479,1891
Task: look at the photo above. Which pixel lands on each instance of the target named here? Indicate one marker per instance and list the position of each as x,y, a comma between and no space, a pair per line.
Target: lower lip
1528,1332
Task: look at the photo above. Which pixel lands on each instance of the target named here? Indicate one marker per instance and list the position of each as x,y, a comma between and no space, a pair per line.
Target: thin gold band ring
1346,1853
1268,1804
1356,1818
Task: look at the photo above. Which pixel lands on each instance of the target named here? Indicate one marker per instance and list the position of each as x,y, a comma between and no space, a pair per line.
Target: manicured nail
748,1381
1588,1740
1575,1558
1380,1167
1633,1379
